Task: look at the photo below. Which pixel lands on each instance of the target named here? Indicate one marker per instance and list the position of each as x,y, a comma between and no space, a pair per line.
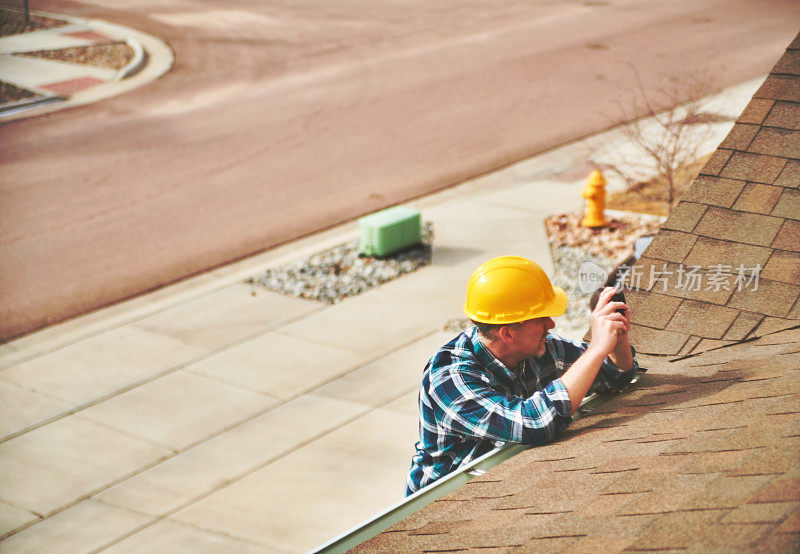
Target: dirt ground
650,197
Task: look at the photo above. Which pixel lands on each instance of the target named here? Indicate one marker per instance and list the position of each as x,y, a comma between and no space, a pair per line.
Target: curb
19,106
137,63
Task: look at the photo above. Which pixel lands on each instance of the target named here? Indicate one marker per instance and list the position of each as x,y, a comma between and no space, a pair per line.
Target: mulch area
613,242
113,55
11,93
12,22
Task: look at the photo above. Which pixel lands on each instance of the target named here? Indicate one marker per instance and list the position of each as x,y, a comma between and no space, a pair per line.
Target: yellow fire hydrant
595,194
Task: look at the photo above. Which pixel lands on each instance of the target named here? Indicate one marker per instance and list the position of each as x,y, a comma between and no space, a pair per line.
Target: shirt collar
485,357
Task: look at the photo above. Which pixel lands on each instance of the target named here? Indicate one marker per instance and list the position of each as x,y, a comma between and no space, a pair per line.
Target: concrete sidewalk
212,416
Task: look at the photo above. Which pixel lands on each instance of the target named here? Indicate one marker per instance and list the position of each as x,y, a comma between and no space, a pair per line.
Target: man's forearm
580,376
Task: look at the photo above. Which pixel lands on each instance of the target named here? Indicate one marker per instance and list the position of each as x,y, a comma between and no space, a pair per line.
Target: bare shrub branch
662,140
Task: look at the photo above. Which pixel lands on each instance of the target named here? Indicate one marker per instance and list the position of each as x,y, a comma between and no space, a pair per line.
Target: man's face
529,338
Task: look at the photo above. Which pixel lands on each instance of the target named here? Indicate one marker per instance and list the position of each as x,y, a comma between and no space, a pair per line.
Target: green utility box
388,231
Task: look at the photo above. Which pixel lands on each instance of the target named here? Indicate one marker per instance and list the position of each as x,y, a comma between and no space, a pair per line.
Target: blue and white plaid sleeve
610,378
464,404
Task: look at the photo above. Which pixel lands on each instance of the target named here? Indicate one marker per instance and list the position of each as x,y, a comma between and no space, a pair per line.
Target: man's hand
609,338
608,324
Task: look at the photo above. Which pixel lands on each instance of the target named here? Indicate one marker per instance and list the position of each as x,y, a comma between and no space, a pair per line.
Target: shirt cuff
622,379
634,366
557,393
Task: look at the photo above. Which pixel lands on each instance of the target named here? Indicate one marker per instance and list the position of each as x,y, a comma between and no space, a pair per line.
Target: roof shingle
775,141
714,190
758,198
789,205
753,167
788,237
780,87
790,176
785,115
735,226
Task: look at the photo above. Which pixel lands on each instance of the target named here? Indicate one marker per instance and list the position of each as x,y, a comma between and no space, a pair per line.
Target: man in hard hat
507,379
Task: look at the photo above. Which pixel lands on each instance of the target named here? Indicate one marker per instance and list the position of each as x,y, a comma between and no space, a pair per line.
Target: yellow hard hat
509,289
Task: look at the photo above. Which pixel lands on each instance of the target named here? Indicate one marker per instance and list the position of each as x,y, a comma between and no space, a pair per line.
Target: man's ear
506,333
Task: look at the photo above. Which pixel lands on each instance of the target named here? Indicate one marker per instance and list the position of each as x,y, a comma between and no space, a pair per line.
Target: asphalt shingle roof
743,210
704,452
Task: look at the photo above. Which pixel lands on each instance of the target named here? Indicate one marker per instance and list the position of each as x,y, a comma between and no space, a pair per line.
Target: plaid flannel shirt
470,403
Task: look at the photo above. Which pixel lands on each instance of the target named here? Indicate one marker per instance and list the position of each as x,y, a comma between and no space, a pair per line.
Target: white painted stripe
48,39
32,73
217,18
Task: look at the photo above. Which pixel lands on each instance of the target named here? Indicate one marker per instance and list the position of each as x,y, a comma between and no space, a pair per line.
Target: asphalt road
279,119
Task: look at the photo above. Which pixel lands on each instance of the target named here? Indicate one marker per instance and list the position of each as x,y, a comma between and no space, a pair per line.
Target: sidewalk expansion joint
248,472
367,410
202,292
141,382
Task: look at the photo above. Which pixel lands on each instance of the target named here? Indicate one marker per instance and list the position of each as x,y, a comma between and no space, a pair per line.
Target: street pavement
212,416
277,120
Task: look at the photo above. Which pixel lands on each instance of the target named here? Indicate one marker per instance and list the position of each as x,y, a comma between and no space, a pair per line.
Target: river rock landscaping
340,272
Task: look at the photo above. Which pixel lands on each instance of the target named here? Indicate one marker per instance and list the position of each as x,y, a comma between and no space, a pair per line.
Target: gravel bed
340,272
614,241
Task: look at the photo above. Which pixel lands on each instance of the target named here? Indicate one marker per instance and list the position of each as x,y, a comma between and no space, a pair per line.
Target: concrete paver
12,517
475,222
178,409
364,324
323,477
24,409
171,536
438,292
408,405
101,365
542,197
278,365
210,465
379,382
82,528
51,467
223,317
